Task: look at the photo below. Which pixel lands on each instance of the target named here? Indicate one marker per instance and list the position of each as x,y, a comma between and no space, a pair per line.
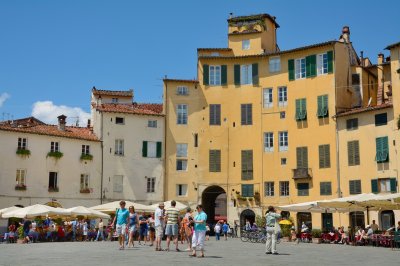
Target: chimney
345,37
362,58
61,122
88,123
380,96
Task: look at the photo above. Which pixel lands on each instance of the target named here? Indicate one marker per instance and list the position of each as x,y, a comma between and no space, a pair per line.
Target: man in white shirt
159,216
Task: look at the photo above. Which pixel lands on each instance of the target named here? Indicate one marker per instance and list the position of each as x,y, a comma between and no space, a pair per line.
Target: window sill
85,190
53,189
20,187
120,155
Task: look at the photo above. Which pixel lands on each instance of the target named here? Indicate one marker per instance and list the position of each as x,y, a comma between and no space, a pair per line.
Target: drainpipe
102,158
165,140
339,194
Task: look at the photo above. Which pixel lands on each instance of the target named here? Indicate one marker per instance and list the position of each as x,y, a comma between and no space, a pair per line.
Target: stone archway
214,203
247,215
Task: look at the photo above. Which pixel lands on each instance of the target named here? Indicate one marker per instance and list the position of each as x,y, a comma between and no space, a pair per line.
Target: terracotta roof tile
181,80
214,49
34,126
364,109
128,93
133,108
392,45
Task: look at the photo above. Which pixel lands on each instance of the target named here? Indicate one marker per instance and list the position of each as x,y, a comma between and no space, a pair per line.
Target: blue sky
53,52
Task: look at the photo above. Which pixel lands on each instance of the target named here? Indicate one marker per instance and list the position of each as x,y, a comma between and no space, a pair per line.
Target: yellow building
257,127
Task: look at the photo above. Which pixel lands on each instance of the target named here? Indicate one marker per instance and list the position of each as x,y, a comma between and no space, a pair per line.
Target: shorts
121,229
172,230
132,229
143,231
159,231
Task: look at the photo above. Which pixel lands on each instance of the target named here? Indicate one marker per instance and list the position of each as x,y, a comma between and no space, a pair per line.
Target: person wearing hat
159,216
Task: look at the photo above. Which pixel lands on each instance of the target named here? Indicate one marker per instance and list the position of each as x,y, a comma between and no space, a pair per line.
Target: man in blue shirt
122,218
225,229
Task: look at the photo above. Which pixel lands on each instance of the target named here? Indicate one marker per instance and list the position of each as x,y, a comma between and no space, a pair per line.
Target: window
325,188
353,152
53,176
324,156
85,149
301,109
152,123
118,185
22,143
302,189
302,157
268,141
119,147
215,160
267,93
274,64
181,150
245,44
352,124
322,101
381,119
196,140
245,74
322,64
282,96
246,114
247,164
181,165
84,181
215,75
355,187
21,177
182,114
54,146
248,190
282,115
215,114
284,188
269,189
382,150
283,161
283,141
182,90
114,100
300,68
384,185
151,183
181,190
119,120
151,149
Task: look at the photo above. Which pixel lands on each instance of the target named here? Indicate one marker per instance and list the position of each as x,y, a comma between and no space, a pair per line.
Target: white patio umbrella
36,210
382,202
9,209
311,206
111,207
347,203
179,205
87,213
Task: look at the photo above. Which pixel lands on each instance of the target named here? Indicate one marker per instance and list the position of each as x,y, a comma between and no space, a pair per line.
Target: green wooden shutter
302,157
291,69
299,161
378,156
356,153
218,161
385,149
254,73
327,156
393,187
350,153
144,149
325,105
305,157
224,75
159,149
211,161
330,61
304,109
237,74
206,74
311,70
321,154
298,110
374,185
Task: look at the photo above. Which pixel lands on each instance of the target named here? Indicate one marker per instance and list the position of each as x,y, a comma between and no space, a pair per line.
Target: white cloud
3,97
47,112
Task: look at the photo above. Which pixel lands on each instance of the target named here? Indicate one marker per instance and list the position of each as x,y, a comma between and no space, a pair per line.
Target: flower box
53,189
85,190
55,154
23,152
88,157
20,187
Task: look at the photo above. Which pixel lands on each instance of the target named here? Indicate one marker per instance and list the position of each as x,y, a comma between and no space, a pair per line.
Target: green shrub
316,233
23,152
86,157
55,154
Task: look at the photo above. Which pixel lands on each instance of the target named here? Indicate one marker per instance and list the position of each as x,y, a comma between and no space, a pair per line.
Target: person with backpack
122,219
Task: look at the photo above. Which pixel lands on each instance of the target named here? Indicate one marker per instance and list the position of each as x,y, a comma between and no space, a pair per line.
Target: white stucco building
132,135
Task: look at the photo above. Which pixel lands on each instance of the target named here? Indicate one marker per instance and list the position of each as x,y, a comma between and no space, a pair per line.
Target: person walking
225,229
143,227
187,227
271,223
100,231
152,229
159,216
199,231
133,221
122,219
172,229
217,230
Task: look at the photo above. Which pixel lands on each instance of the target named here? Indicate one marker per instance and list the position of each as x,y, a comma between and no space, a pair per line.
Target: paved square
231,252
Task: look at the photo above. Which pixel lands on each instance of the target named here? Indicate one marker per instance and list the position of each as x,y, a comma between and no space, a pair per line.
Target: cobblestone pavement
231,252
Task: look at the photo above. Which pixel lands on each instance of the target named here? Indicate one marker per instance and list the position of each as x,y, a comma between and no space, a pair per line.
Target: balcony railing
302,173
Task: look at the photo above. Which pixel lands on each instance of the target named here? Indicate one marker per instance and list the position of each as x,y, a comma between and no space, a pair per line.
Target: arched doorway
387,219
247,215
213,200
304,217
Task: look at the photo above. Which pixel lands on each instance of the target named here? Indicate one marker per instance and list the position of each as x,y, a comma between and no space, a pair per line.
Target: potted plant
257,197
316,236
23,152
87,157
20,232
55,154
20,187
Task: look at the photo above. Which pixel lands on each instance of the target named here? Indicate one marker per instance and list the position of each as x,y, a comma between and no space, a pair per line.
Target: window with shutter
355,187
382,150
215,160
159,149
206,74
353,153
246,114
322,106
236,75
393,185
215,114
381,119
301,109
291,69
311,66
215,75
247,164
224,75
324,156
248,190
330,61
325,188
302,189
352,124
374,185
254,70
302,157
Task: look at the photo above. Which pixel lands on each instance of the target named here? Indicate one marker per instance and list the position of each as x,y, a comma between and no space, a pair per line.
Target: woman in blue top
199,231
271,223
133,221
